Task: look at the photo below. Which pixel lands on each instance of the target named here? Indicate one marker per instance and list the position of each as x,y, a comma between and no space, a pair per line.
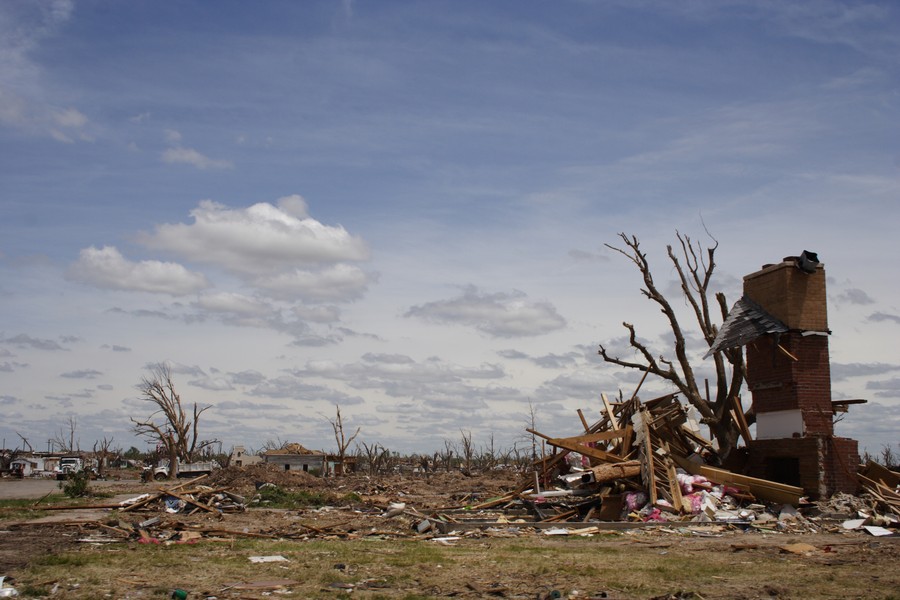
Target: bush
76,484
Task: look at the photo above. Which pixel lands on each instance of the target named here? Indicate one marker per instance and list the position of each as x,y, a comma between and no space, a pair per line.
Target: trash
878,531
394,509
799,548
268,559
853,523
6,591
179,594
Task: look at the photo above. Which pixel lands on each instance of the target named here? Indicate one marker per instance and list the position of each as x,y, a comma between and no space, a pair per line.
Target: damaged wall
789,372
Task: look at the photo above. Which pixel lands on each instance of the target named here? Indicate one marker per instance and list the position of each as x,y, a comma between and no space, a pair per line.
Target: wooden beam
584,423
609,411
590,437
763,489
585,450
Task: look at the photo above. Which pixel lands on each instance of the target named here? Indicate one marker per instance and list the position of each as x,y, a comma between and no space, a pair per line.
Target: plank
763,489
609,411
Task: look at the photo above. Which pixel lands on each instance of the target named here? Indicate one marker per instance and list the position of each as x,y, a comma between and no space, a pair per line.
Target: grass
422,569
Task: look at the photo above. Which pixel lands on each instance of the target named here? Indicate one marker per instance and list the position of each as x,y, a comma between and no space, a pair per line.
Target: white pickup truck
193,469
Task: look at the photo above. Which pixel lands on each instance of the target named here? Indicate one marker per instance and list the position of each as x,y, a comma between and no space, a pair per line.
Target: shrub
76,484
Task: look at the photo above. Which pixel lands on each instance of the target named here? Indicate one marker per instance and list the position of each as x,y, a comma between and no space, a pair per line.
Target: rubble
644,464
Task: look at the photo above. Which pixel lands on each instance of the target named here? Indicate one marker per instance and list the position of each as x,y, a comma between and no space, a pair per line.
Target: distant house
27,465
294,457
240,458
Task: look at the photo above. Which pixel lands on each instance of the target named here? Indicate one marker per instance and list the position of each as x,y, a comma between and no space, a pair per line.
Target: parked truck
67,466
194,469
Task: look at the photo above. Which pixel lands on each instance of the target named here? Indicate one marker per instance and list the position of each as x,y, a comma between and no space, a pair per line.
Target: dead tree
102,453
169,425
467,451
65,440
695,273
343,442
25,441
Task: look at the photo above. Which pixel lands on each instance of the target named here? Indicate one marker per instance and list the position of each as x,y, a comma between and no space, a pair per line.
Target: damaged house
783,322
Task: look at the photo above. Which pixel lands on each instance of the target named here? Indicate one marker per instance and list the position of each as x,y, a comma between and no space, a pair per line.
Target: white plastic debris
268,559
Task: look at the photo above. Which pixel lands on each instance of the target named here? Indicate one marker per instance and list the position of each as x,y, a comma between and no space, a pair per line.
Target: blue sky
401,208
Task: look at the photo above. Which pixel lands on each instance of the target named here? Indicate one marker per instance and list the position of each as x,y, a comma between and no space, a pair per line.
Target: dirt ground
791,558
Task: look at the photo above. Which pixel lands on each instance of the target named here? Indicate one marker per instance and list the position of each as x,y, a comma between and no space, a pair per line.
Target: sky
403,208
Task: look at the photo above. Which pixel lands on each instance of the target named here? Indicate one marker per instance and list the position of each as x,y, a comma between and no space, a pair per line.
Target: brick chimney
789,376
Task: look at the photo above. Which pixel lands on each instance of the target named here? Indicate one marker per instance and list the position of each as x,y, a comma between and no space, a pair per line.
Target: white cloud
107,268
259,239
317,314
189,156
498,315
226,302
24,102
338,282
26,341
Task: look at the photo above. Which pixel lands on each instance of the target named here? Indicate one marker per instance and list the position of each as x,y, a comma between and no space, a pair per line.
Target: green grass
276,497
422,569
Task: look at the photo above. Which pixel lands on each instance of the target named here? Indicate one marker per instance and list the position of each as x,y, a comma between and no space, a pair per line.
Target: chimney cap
807,262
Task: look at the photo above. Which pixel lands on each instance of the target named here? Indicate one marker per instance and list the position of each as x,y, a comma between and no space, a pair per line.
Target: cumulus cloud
400,376
189,156
841,371
854,296
318,314
227,302
503,315
26,341
889,388
82,374
24,101
107,268
260,239
880,317
338,282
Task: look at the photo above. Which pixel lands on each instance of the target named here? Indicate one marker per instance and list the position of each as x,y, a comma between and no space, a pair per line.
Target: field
331,539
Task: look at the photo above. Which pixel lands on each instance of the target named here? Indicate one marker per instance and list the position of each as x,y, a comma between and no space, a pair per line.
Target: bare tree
695,273
103,453
65,440
169,425
468,450
25,441
447,454
343,442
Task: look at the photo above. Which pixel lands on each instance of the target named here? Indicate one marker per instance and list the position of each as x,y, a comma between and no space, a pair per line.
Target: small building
294,457
26,466
240,458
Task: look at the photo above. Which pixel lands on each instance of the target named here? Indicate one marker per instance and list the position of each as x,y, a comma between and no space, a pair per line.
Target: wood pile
883,485
636,447
188,497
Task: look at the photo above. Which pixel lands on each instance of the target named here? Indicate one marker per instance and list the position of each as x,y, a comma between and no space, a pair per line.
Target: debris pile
189,498
884,486
645,462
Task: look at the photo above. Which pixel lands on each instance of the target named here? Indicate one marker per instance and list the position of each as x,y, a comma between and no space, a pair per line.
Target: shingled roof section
746,322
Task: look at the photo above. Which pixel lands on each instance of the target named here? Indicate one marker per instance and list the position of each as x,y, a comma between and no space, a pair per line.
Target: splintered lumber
737,414
584,422
609,411
763,489
649,468
565,444
876,472
609,472
589,438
